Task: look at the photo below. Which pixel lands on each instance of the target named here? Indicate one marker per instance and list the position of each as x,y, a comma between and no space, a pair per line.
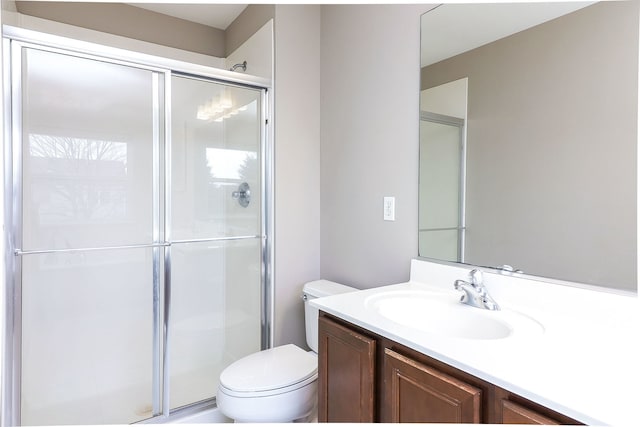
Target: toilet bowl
277,385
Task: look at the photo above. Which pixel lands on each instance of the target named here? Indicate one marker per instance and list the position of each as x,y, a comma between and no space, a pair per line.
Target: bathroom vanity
412,353
365,377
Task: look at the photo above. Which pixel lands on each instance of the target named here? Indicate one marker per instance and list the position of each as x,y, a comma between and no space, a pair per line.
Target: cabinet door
414,392
346,374
512,413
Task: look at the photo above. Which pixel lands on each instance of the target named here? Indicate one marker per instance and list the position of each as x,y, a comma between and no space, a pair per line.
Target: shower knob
243,194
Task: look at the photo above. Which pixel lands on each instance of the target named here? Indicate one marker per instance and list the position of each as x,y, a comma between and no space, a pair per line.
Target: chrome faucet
475,293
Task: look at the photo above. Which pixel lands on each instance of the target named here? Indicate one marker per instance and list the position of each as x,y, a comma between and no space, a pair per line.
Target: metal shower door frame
14,41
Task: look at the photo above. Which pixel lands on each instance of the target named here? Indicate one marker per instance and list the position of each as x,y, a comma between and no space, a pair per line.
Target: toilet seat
274,371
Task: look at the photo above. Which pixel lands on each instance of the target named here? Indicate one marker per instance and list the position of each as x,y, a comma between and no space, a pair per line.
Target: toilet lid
270,369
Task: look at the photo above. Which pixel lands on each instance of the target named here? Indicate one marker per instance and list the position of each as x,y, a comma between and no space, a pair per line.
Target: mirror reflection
528,139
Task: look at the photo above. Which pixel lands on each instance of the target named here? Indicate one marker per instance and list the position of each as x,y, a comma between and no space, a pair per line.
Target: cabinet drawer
512,413
414,392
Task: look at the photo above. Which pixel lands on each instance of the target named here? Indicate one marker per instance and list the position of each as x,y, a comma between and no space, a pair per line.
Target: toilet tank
317,289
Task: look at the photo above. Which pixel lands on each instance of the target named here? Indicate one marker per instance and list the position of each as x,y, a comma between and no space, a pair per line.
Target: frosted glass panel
439,174
440,155
92,187
87,337
87,152
215,314
215,147
439,244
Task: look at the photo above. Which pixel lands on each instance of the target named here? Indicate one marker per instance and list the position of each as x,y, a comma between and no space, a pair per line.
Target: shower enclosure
442,187
137,231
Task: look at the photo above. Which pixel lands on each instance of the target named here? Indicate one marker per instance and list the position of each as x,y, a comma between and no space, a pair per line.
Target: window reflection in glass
211,156
231,164
78,180
87,152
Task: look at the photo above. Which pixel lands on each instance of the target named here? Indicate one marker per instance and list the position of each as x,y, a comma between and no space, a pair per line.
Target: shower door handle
243,194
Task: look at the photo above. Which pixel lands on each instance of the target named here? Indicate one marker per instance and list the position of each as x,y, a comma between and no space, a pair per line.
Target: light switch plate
389,213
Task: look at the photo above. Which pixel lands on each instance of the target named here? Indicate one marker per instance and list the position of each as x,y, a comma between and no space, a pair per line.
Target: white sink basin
443,314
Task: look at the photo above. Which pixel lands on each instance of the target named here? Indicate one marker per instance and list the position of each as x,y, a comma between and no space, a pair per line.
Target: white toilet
277,385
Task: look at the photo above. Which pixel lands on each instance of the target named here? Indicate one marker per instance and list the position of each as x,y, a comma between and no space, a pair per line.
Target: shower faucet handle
243,194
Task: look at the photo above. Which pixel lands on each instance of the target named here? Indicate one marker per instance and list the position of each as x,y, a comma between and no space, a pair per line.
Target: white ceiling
451,29
212,14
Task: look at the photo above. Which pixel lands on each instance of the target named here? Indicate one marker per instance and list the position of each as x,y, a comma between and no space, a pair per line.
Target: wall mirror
528,139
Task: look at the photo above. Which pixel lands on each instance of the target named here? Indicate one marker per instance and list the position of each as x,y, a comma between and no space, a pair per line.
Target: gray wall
369,141
141,24
297,164
552,134
342,146
246,24
132,22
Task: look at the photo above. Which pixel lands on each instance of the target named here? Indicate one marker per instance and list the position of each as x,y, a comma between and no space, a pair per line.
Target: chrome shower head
243,66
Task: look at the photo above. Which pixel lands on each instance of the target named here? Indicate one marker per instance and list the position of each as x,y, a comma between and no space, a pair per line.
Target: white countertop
585,365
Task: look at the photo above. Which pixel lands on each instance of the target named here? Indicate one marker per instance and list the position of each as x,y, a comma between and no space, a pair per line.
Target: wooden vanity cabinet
363,377
346,374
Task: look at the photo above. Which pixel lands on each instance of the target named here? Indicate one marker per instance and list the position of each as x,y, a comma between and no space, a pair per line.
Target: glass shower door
138,224
215,233
441,197
89,140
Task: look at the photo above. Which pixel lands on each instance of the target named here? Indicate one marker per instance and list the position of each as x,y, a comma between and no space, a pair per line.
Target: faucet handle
476,277
506,268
